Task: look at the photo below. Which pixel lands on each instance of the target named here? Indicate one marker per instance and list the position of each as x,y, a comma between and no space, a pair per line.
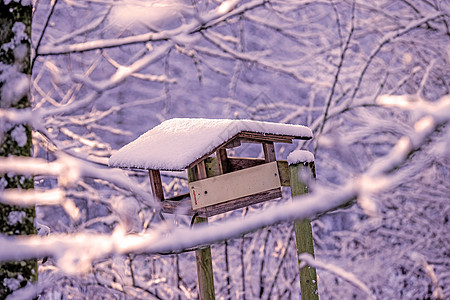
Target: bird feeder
218,183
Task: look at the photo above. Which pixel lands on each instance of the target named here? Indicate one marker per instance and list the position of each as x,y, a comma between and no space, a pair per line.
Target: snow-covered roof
176,143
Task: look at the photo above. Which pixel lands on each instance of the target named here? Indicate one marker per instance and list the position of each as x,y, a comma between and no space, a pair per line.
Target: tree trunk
15,35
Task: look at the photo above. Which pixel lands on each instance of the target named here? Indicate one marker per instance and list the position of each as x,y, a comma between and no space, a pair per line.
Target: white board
226,187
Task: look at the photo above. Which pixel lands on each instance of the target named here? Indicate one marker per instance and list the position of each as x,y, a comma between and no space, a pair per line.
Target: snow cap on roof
176,143
300,156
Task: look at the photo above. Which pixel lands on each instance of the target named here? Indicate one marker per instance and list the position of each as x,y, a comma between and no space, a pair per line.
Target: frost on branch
15,85
324,64
75,253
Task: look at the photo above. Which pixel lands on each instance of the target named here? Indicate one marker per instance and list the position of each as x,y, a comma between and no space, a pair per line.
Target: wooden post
222,161
224,167
156,184
300,174
203,257
269,152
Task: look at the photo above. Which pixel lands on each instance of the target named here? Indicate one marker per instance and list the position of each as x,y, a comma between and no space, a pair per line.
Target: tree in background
15,139
108,71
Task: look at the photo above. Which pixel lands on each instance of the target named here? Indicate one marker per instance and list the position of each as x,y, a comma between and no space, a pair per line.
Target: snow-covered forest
370,78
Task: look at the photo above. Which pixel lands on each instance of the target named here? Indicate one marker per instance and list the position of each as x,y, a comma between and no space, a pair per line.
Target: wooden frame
235,185
221,184
182,203
156,184
249,137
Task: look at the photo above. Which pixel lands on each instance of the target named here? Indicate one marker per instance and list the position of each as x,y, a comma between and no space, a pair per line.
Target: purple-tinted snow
299,156
176,143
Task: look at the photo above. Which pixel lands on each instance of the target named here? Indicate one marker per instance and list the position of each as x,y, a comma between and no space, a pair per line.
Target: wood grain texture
248,137
269,152
156,184
239,163
240,203
222,161
283,170
182,203
235,185
261,138
303,230
205,274
203,257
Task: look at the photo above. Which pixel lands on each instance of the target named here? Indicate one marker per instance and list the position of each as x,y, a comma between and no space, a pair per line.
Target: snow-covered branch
307,259
33,198
123,72
203,21
107,71
386,40
320,201
70,170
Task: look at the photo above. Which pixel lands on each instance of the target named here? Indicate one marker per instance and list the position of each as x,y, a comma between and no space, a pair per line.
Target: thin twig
283,258
227,270
386,40
261,277
47,21
339,68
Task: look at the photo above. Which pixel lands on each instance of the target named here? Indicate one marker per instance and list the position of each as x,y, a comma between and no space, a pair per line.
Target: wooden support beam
300,174
249,137
239,163
220,208
232,143
212,168
283,170
222,161
269,152
205,274
264,137
182,203
156,184
201,170
203,257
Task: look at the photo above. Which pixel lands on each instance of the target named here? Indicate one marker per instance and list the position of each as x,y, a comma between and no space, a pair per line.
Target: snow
267,69
300,156
308,259
176,143
15,217
15,85
3,183
151,14
11,283
19,135
19,35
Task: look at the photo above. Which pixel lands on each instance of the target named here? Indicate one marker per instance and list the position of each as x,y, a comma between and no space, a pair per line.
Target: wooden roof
177,144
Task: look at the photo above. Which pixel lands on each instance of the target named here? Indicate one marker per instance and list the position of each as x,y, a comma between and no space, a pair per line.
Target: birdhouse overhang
181,143
218,183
